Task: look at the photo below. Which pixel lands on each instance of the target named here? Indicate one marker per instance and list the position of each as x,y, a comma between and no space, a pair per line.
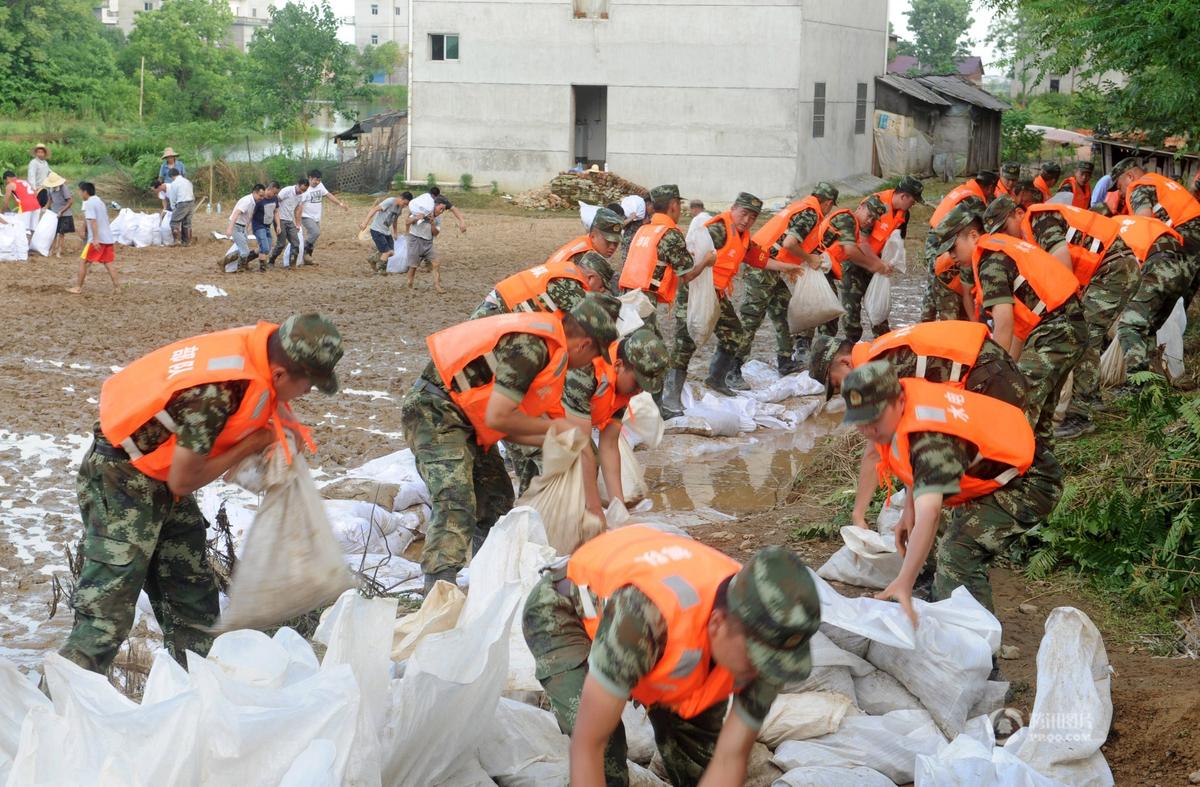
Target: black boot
669,404
718,373
445,575
787,365
734,378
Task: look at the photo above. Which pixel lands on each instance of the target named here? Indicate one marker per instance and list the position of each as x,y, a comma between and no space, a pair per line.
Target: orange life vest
455,347
729,256
140,392
1081,224
606,400
567,251
835,250
1140,232
526,290
1001,189
1080,197
1041,185
885,224
26,197
680,576
999,431
1113,201
945,262
642,259
778,224
1178,202
957,194
957,341
1053,284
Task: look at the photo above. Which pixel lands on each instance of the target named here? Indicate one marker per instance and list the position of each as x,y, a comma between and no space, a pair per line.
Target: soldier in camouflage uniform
978,529
630,226
766,294
469,487
640,362
1143,200
672,246
941,300
1054,346
863,264
141,532
1010,173
774,609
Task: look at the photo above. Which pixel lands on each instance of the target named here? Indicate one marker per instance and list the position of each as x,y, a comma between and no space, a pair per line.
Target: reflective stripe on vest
1000,432
1049,280
526,290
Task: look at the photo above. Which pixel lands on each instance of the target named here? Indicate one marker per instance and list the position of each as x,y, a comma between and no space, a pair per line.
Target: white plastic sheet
43,234
868,559
18,697
557,494
813,302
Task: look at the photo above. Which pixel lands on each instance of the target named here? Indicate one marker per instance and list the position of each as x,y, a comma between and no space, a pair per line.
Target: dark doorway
591,121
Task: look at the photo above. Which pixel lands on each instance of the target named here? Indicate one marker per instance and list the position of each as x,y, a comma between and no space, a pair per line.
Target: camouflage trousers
728,330
1103,300
766,295
939,302
469,488
980,529
560,649
1166,278
804,338
855,280
137,534
1051,351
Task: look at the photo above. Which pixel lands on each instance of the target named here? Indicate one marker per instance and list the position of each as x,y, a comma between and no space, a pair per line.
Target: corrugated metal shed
913,88
957,87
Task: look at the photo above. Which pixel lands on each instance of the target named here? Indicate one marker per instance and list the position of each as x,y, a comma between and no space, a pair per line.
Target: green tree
384,58
1151,42
189,65
296,58
939,29
1018,143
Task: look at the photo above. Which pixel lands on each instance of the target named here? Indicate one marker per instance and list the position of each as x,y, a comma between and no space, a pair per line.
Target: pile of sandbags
139,230
14,241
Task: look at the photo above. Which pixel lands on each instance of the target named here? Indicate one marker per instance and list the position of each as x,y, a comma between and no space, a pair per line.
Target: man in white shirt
383,222
311,218
99,247
239,227
289,210
39,168
182,198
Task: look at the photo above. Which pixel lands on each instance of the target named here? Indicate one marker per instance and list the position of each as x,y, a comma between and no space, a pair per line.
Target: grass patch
821,497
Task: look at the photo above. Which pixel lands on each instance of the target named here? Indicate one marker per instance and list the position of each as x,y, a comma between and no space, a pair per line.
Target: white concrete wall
390,24
711,96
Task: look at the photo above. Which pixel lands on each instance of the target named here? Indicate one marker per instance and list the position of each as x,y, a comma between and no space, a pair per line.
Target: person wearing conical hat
170,161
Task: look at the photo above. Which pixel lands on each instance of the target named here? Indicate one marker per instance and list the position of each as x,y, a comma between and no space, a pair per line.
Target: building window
374,9
1054,85
396,10
591,9
374,39
443,46
147,6
818,110
860,109
254,12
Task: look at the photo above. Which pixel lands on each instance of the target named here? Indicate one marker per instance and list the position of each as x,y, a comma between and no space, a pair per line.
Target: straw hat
42,146
594,168
53,180
169,153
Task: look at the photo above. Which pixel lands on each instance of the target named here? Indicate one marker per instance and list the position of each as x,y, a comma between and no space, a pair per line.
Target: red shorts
98,252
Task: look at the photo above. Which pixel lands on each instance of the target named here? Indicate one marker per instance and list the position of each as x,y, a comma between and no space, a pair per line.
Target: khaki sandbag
557,494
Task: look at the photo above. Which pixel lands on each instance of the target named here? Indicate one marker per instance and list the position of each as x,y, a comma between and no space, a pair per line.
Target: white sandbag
639,734
587,214
119,224
847,641
290,563
525,747
634,207
144,230
728,416
254,659
1064,398
166,238
364,527
399,468
994,695
633,476
788,387
869,559
635,308
1073,708
440,610
703,307
947,671
796,717
14,243
643,421
813,302
398,261
888,744
889,515
451,683
1170,338
315,767
834,679
1112,365
511,557
894,252
825,653
879,693
18,696
830,776
557,494
43,234
966,762
644,777
877,300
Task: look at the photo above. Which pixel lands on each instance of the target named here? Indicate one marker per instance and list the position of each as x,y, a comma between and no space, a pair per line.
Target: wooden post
211,166
141,87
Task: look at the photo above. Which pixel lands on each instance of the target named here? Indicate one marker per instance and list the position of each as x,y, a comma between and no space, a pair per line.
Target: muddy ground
58,349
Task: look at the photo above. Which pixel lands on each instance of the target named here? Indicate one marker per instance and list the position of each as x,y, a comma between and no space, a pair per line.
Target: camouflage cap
648,356
1120,168
1052,169
825,349
597,314
912,186
595,261
875,205
987,178
749,202
1085,166
1101,208
957,220
1010,169
667,191
867,390
312,343
825,190
775,599
998,211
609,225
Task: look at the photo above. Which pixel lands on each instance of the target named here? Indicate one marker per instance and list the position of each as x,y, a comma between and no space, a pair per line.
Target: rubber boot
734,378
446,575
787,365
228,258
718,373
243,264
671,406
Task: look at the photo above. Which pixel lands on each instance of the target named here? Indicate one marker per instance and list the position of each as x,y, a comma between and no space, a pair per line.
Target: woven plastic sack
1112,365
557,494
795,717
813,302
291,562
439,612
633,476
643,422
703,307
43,235
869,559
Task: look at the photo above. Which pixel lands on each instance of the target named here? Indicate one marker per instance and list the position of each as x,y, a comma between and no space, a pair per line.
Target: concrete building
378,22
248,15
718,97
1026,81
